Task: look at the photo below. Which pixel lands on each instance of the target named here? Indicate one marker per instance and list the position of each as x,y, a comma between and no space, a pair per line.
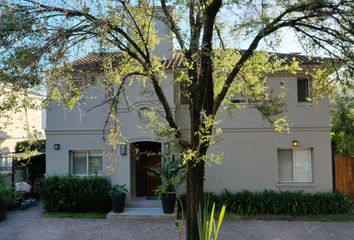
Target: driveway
30,225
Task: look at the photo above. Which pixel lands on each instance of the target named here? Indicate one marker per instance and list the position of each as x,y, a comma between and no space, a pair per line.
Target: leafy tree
38,38
342,119
38,145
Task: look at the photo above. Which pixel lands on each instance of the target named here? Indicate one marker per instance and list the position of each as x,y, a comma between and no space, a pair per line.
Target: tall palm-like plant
207,226
172,173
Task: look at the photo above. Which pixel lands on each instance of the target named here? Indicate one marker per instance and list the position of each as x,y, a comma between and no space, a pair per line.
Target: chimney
165,48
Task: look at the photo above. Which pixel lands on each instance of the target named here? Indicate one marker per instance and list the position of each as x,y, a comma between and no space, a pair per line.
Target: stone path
30,225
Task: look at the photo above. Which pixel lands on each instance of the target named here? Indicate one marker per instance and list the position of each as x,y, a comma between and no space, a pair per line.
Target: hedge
6,193
75,194
280,202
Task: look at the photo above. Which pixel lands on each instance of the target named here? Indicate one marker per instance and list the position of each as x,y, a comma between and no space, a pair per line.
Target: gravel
30,225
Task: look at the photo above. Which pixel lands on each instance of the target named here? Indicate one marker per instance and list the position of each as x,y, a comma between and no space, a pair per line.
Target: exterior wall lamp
123,149
166,148
295,143
56,146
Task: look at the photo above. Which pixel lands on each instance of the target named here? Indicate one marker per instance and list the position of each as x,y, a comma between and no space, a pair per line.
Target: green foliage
270,202
75,194
208,229
118,190
172,173
6,193
37,145
342,120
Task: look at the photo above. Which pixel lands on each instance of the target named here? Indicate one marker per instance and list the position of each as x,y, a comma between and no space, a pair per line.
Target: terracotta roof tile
94,61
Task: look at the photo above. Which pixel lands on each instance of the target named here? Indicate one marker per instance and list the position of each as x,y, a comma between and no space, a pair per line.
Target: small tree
37,38
342,120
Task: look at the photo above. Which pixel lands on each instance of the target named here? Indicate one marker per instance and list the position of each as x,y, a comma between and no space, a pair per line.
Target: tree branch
172,25
310,10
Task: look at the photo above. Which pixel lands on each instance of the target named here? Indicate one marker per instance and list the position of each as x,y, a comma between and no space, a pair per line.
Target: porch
142,208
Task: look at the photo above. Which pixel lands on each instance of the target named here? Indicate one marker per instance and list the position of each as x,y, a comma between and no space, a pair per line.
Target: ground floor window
85,163
295,165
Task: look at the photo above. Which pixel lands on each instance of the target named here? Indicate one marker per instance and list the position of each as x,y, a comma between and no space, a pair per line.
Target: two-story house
256,157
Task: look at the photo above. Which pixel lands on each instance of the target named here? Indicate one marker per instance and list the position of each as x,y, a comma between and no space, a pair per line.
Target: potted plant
6,197
167,193
118,194
172,173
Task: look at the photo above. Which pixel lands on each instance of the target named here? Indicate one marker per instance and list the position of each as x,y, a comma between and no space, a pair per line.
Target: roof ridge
93,61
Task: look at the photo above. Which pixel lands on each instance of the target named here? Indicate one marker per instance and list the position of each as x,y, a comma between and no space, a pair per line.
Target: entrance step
144,203
141,213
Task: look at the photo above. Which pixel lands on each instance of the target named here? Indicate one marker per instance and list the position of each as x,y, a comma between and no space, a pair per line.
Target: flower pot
168,203
118,203
3,213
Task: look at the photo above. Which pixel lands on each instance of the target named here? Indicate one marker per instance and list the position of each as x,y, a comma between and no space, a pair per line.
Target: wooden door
145,184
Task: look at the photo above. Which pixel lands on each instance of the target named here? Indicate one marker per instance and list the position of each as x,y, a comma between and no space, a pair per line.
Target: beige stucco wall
20,124
78,129
248,142
251,162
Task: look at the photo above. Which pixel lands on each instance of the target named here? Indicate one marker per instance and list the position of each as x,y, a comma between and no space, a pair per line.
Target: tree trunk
195,182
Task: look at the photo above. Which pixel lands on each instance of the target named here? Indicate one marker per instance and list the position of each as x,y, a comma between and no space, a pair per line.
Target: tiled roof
94,61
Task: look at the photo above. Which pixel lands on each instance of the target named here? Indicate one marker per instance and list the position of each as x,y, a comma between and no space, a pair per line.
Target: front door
147,155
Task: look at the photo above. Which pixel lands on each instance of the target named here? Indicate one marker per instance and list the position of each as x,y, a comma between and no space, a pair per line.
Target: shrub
6,193
75,194
23,146
277,203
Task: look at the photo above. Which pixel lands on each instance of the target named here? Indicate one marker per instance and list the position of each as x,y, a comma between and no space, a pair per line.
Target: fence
344,174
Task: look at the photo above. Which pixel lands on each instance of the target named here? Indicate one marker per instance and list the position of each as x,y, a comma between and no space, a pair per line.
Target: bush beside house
271,202
6,197
75,194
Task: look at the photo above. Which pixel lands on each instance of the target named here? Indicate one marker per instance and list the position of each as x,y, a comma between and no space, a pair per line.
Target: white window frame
71,153
310,150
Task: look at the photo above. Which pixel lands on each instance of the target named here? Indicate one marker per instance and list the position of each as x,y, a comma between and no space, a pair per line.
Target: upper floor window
84,163
295,165
303,90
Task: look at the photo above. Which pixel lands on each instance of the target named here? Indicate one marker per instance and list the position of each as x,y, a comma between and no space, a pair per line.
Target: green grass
319,218
74,215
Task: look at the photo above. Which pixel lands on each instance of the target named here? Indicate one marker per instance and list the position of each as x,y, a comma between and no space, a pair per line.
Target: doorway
145,155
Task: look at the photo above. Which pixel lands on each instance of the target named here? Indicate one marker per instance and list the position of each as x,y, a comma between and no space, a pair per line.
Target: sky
289,42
